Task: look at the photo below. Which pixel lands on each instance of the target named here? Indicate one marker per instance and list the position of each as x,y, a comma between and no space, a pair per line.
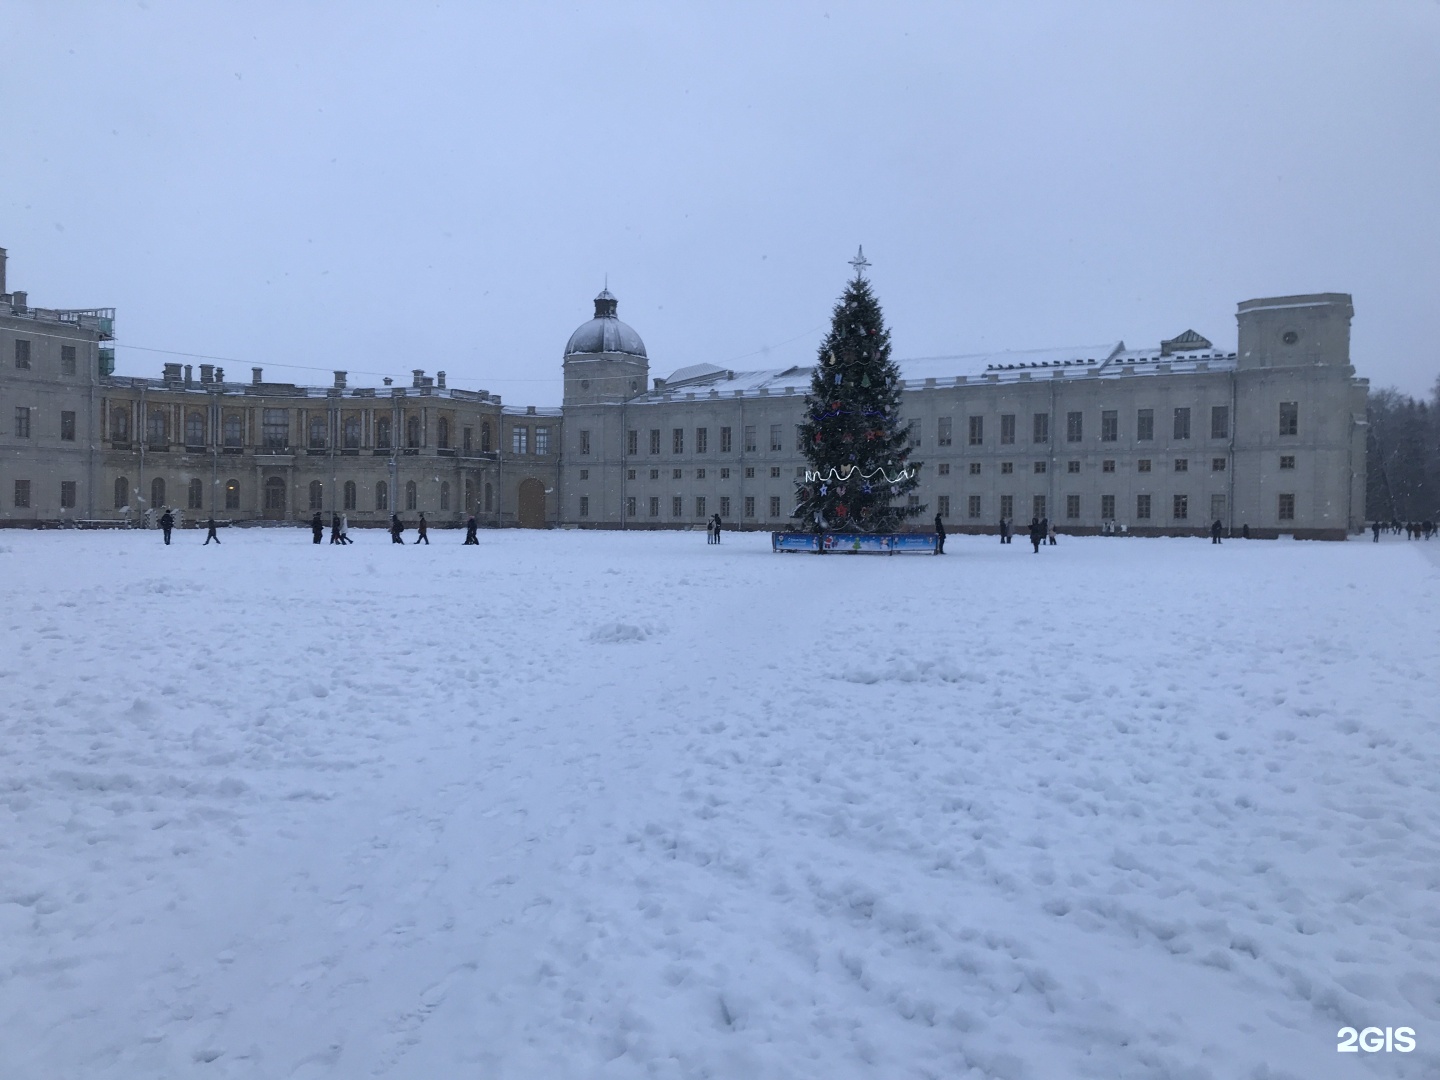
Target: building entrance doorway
532,504
275,499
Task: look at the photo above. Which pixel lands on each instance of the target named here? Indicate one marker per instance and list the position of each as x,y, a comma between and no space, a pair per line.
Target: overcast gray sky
385,186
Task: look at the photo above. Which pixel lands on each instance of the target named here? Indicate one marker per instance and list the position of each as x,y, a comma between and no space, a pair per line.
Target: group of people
339,529
712,530
1415,530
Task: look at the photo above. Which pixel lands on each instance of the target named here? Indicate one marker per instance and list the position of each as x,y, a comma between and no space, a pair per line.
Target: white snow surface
606,805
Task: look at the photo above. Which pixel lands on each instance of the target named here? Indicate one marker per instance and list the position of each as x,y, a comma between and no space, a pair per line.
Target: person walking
345,529
939,536
211,534
167,522
1004,532
422,531
1037,534
1050,532
470,537
1375,528
317,527
1215,531
335,529
719,527
397,527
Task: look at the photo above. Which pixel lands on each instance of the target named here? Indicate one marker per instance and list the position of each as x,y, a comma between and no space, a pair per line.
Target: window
442,434
122,493
159,430
350,493
67,427
677,441
317,495
654,506
942,431
352,434
977,430
724,474
974,507
489,498
1007,428
67,494
1072,507
632,443
1107,507
774,506
275,493
1219,421
469,506
1217,464
943,469
724,506
444,495
1006,468
749,472
912,501
22,360
1109,425
1040,466
412,432
1108,465
519,440
195,495
585,474
317,433
157,492
702,440
22,421
700,506
749,438
232,494
275,427
1037,506
22,487
1182,423
912,432
1074,426
1142,507
1182,507
412,493
1145,425
1287,461
382,433
944,505
466,437
775,444
233,431
584,441
67,359
1217,507
120,425
542,440
676,474
1289,418
194,430
630,506
699,474
724,440
1143,465
749,506
1182,464
382,495
677,506
774,472
584,505
654,440
654,474
1072,467
1007,507
1041,431
1287,507
485,437
974,468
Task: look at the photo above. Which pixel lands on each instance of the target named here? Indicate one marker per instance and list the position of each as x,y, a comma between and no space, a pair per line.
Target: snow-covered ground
596,805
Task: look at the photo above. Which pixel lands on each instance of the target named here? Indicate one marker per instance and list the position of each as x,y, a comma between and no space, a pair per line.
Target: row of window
22,357
21,499
275,495
22,423
677,506
275,431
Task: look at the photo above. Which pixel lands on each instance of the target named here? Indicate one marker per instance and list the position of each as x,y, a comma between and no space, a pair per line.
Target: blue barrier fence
855,543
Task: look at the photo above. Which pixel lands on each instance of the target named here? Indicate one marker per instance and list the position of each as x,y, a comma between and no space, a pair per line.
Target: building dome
605,333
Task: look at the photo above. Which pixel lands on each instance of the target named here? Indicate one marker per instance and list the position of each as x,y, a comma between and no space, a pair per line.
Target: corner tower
1295,331
605,359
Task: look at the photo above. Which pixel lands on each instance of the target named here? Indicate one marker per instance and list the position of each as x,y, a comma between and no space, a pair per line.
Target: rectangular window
724,440
654,474
912,432
774,472
944,505
1072,467
632,443
1074,426
799,437
1219,421
22,360
584,441
1143,465
1006,468
702,440
1072,507
584,505
1145,425
974,507
1287,507
654,506
274,428
585,474
67,359
699,474
974,468
677,440
700,506
22,492
1287,461
1182,507
1142,507
630,506
677,506
67,426
1109,425
1041,433
629,474
749,506
942,431
1107,507
943,468
1007,429
67,494
1037,506
542,441
1108,465
22,421
912,501
467,437
749,438
519,440
676,474
749,472
977,431
774,506
1182,423
654,440
724,474
1289,418
775,444
1217,464
1217,508
1040,466
1182,464
724,506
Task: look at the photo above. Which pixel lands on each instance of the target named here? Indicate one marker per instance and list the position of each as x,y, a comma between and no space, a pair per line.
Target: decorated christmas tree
857,447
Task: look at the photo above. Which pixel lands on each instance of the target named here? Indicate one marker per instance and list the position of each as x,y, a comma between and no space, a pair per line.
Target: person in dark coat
397,527
1215,531
1004,532
1375,528
423,533
718,526
335,529
211,534
317,527
939,536
470,527
167,522
1037,534
1245,531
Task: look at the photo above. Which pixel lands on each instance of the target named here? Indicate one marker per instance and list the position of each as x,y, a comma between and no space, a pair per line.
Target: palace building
1162,440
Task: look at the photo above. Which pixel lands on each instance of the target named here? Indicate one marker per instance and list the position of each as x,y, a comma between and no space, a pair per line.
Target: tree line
1402,460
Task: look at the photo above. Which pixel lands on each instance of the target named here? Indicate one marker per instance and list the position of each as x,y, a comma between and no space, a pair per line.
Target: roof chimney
187,375
339,380
207,373
440,379
171,375
220,374
255,375
419,374
19,301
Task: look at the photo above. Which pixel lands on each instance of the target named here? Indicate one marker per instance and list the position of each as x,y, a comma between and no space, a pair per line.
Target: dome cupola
605,333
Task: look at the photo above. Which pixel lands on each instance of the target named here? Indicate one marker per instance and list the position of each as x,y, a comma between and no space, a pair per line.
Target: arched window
317,495
442,433
412,431
485,437
382,495
232,494
469,496
194,429
120,425
234,430
158,428
350,495
317,433
410,495
122,493
489,499
444,495
382,432
157,492
275,493
196,495
352,434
